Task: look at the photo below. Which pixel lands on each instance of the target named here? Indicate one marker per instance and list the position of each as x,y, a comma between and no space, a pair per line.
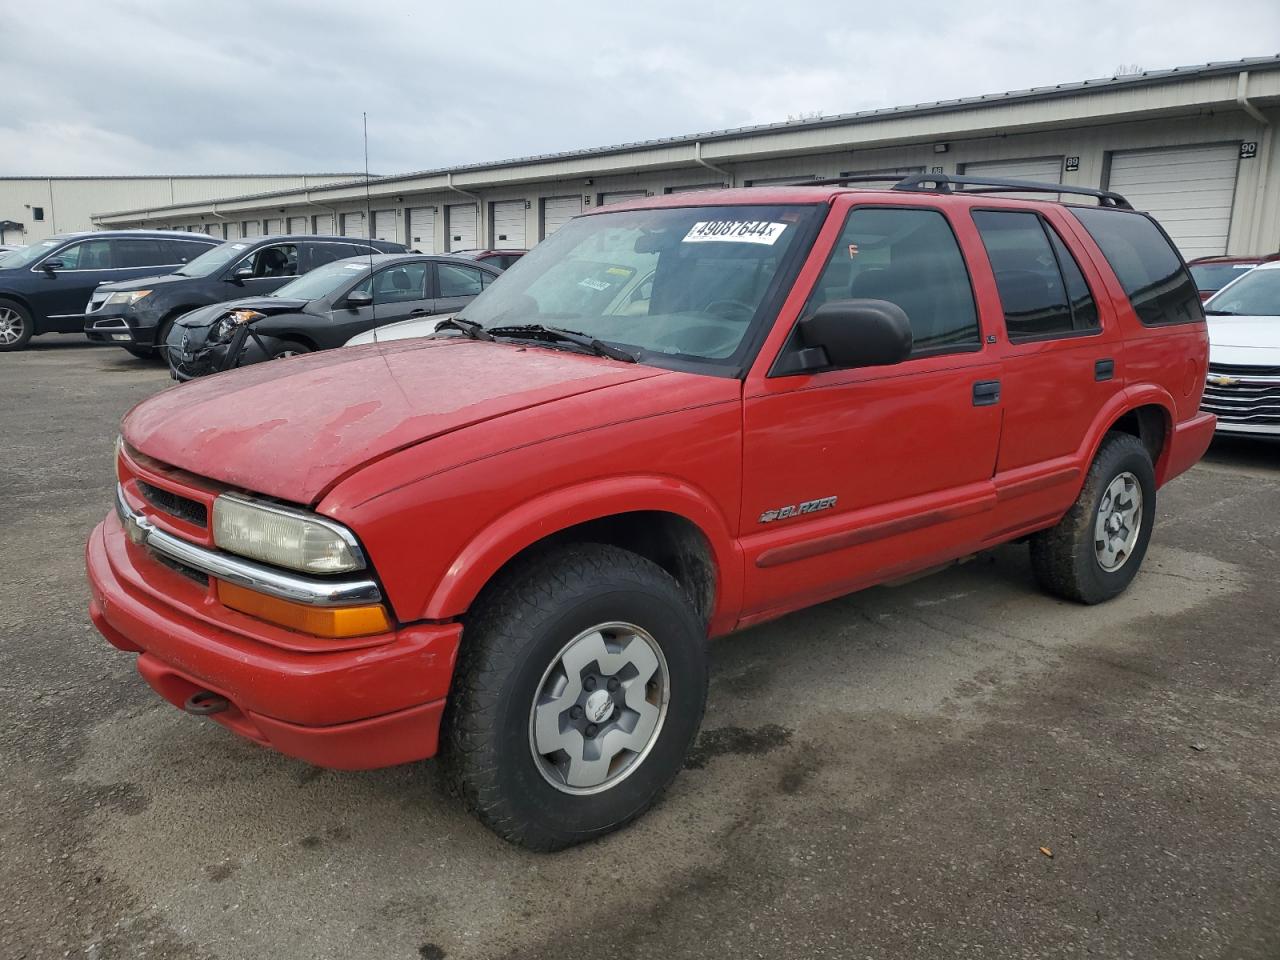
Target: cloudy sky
193,86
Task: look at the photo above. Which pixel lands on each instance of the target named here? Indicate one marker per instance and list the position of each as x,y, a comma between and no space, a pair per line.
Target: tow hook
205,703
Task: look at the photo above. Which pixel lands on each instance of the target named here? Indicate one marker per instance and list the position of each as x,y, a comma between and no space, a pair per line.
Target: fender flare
1127,400
536,519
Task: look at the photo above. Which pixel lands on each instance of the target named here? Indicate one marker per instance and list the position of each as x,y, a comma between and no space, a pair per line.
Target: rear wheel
1095,550
15,326
580,687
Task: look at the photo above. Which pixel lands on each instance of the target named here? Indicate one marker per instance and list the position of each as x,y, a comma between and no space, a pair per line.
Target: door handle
986,393
1104,369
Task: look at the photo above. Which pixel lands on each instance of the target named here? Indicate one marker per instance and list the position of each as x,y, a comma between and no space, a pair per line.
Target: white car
401,330
1243,386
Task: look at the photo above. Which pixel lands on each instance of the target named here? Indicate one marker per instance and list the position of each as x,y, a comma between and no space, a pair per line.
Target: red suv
509,543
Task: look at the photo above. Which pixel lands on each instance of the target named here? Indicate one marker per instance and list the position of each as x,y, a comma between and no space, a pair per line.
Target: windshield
213,261
686,282
25,256
323,281
1215,276
1256,294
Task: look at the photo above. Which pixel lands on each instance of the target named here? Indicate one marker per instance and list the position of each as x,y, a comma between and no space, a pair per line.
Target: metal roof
1145,78
188,176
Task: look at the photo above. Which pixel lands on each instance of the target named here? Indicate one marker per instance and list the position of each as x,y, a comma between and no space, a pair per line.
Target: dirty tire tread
1061,555
502,626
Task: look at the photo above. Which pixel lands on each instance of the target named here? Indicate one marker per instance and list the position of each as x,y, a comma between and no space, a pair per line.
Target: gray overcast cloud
131,87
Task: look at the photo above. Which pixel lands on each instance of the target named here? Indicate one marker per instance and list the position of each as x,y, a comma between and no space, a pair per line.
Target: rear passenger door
851,475
1062,364
458,285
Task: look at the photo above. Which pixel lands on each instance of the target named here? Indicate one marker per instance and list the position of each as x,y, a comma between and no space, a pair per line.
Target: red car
495,258
509,543
1211,274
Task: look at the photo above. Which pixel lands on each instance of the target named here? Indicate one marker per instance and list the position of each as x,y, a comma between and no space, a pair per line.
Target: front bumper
359,704
115,325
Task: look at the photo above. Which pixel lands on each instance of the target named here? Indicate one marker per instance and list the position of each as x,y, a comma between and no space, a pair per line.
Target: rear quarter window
1153,276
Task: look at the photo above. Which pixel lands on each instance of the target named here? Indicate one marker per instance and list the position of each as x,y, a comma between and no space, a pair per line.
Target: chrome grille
1244,394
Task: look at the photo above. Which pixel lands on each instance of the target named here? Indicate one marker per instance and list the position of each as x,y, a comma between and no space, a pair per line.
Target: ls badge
795,509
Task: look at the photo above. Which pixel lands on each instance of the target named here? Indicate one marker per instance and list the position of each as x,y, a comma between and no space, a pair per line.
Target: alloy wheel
12,326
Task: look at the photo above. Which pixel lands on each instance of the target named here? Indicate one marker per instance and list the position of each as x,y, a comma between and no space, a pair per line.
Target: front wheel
1095,551
580,687
284,349
15,326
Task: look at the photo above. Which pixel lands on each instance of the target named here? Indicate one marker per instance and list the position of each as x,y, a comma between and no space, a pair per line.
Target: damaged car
322,309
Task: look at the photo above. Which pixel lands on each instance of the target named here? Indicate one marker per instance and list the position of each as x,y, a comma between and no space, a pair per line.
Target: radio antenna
368,219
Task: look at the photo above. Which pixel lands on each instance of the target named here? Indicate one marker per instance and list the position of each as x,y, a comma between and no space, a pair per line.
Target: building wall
1255,225
68,203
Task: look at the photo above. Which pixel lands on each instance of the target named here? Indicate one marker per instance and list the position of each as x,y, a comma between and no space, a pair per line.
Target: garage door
460,224
883,172
557,211
384,225
353,224
780,181
1039,169
324,224
298,225
213,229
233,230
275,226
1188,189
621,196
422,229
508,224
253,228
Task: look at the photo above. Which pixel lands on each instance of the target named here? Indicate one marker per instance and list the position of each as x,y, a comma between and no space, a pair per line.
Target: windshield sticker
238,246
356,266
735,231
620,271
596,285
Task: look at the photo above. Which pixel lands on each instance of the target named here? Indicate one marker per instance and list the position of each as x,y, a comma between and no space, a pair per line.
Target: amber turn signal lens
331,622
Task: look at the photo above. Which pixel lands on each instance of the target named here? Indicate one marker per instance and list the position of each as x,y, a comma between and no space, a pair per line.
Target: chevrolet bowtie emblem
1220,381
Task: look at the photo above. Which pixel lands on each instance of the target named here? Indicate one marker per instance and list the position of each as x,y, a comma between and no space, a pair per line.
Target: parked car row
130,287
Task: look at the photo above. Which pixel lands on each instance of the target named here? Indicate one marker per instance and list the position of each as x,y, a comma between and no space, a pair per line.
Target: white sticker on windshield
594,284
238,246
355,266
735,231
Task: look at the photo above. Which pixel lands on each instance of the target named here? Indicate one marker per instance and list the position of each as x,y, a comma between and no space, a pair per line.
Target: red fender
559,509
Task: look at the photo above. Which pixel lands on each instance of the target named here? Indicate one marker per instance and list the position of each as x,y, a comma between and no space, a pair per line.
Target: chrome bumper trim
245,573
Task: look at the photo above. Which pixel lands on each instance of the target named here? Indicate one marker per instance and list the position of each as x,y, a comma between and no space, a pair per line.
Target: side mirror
359,298
51,265
854,333
242,274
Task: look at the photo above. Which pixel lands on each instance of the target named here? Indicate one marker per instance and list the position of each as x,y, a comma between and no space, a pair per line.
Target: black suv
44,286
137,315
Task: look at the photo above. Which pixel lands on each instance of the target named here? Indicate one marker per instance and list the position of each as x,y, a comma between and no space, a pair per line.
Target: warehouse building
1193,145
32,208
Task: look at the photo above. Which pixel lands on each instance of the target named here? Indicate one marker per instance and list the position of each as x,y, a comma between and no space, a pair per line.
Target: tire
15,326
1078,559
288,348
142,353
531,633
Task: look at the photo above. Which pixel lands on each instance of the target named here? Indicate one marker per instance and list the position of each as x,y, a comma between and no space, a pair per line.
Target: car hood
400,330
144,283
206,316
293,428
1244,340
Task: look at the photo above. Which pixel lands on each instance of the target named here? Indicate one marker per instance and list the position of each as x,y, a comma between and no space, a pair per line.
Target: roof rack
942,183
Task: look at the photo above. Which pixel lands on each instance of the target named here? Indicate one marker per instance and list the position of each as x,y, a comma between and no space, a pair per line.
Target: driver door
399,293
855,476
266,269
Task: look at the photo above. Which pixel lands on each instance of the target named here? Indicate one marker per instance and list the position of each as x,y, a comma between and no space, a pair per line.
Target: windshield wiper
470,329
1219,313
598,347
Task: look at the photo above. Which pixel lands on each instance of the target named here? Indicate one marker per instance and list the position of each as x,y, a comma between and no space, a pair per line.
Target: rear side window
141,253
458,281
909,257
1041,287
1146,264
183,251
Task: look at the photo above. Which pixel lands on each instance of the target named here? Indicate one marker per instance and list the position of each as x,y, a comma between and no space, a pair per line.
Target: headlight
225,328
283,536
126,298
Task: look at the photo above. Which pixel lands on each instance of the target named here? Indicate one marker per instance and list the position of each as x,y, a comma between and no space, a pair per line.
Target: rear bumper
1190,440
375,702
